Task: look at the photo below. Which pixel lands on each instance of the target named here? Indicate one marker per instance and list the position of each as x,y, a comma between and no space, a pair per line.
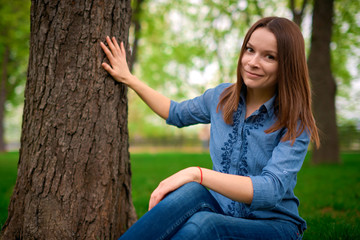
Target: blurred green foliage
345,41
14,37
186,47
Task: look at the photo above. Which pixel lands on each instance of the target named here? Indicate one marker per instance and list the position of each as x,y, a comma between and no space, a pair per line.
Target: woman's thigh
210,225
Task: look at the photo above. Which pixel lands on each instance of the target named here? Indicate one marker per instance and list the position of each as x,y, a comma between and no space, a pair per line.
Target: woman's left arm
238,188
260,191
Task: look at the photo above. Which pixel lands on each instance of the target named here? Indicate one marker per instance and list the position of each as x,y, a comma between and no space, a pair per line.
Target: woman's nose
254,61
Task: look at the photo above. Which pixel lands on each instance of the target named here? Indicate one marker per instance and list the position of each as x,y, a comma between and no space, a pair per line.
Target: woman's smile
252,75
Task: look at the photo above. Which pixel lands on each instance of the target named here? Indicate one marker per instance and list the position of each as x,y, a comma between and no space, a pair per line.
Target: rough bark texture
323,83
74,171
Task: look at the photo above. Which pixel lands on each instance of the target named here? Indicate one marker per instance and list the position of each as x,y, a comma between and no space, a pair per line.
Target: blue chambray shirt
245,149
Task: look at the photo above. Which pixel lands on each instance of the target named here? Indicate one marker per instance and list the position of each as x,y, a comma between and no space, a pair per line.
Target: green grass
329,194
329,199
149,169
8,172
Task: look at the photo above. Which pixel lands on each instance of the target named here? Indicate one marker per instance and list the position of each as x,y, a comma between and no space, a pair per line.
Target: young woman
260,130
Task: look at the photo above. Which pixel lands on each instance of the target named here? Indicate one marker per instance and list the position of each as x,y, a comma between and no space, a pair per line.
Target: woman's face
259,63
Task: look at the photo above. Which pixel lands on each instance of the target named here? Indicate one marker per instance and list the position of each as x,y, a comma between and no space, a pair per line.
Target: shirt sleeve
190,112
278,177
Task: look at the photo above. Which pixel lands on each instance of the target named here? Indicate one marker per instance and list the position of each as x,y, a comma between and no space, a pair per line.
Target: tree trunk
137,28
4,77
74,171
298,15
323,83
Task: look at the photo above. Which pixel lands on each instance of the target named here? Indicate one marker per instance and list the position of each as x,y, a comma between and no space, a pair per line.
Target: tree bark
74,170
323,83
4,77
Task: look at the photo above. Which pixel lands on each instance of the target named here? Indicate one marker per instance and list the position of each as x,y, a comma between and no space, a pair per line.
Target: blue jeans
191,212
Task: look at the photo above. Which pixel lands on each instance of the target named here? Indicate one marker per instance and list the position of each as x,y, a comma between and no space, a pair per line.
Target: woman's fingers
116,44
112,46
154,200
118,67
106,51
122,49
116,50
108,68
159,193
172,183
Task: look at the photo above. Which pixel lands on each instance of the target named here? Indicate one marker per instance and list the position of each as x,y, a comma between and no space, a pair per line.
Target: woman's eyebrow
271,52
250,45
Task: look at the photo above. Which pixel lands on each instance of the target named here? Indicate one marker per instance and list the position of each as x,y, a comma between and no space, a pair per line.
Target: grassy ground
329,194
330,197
8,172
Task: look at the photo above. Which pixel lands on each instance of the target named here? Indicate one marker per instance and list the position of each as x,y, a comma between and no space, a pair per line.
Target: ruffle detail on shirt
228,145
234,208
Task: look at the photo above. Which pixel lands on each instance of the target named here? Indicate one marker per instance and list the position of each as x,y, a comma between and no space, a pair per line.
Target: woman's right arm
119,70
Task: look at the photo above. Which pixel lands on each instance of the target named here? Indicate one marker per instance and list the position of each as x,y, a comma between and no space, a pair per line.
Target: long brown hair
293,102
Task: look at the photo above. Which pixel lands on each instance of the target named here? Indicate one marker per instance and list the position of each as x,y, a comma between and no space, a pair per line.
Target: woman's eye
271,57
249,49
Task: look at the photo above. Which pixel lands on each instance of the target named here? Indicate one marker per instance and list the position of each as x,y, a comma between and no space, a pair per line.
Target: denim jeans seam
186,215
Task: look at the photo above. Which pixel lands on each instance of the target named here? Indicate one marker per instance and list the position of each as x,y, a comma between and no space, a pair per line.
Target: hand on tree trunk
119,69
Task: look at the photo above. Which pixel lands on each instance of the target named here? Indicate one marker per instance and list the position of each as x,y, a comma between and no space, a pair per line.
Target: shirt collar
268,107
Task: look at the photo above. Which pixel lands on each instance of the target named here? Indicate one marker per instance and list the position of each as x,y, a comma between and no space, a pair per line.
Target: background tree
74,172
323,82
334,37
136,28
14,35
298,12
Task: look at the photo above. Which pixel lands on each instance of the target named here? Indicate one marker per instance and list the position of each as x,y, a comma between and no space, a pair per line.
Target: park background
182,48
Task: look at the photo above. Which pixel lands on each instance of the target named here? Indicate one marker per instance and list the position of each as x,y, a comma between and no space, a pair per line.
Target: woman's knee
192,195
189,190
192,187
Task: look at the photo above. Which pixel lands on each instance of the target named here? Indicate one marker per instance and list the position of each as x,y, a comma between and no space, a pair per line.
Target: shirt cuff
170,119
264,193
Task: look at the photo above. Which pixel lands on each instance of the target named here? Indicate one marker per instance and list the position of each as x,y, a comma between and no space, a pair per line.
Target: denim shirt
245,149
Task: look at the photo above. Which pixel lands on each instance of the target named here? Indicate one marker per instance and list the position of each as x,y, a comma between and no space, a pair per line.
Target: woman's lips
252,75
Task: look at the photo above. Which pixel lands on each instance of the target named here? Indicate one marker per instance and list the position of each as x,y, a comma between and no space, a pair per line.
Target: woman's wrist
127,80
135,84
196,174
201,175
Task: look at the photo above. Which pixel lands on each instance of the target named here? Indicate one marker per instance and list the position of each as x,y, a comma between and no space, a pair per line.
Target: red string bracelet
201,178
